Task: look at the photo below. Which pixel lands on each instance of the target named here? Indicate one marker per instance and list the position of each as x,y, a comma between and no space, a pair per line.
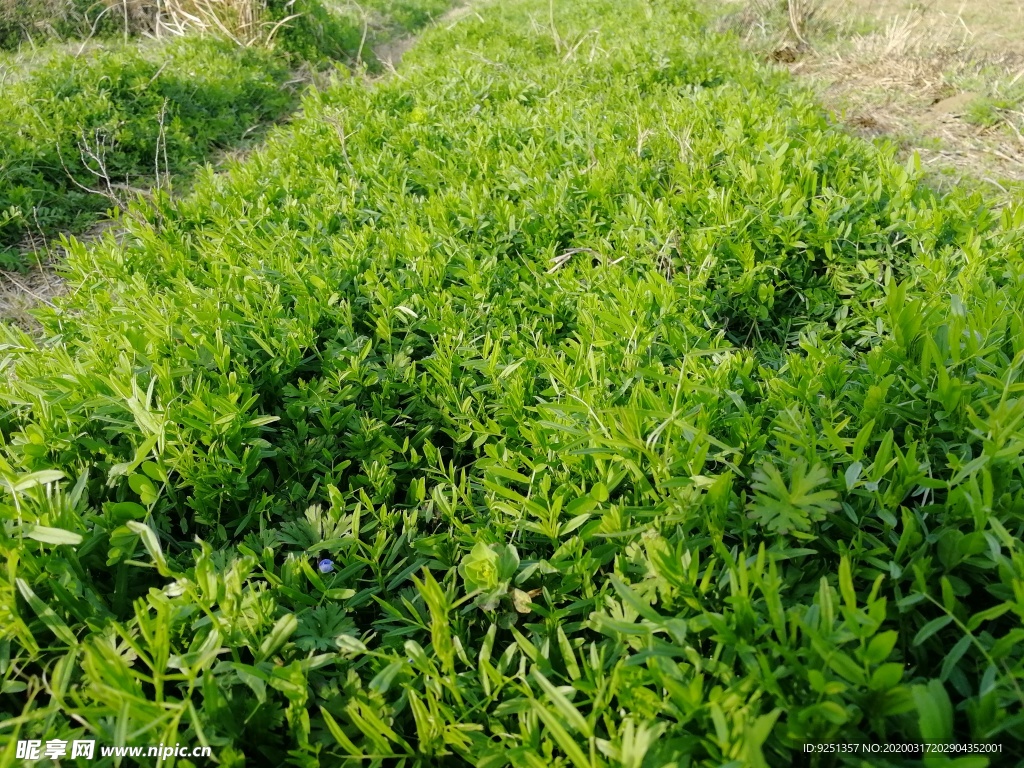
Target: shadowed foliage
645,419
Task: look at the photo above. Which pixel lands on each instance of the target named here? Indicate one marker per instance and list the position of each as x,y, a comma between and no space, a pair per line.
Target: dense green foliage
647,420
79,127
81,123
316,30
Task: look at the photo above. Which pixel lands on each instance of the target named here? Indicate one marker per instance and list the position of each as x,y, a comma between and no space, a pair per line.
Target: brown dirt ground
20,293
390,53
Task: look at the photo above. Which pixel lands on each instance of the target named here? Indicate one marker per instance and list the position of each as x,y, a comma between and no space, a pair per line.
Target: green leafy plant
645,417
489,569
782,506
130,115
83,135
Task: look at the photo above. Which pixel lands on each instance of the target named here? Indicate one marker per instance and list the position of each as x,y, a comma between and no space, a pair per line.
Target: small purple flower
325,566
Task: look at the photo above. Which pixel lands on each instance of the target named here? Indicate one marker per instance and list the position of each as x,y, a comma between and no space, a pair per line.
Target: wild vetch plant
87,126
79,134
644,418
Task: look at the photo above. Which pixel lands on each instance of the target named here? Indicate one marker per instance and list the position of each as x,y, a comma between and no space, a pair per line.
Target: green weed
79,133
29,22
645,419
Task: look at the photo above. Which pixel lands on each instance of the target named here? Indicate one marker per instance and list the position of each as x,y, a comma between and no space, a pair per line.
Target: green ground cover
646,419
76,130
79,127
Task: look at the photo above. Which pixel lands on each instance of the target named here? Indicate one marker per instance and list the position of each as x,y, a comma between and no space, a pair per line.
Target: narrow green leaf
565,741
55,536
931,628
47,615
572,716
152,544
283,629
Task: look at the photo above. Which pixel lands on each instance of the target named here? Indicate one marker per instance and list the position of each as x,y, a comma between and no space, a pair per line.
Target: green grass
646,418
77,128
339,28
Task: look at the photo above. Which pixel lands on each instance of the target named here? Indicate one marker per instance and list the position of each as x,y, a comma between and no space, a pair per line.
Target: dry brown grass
994,26
137,16
946,81
241,21
23,292
782,24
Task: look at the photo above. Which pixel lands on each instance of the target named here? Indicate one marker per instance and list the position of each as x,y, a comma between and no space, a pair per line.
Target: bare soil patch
391,52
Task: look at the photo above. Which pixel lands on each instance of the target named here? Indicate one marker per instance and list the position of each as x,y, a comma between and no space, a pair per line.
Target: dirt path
390,53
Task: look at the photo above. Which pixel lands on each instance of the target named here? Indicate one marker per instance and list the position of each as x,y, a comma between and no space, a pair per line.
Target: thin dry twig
25,289
562,259
339,127
794,23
